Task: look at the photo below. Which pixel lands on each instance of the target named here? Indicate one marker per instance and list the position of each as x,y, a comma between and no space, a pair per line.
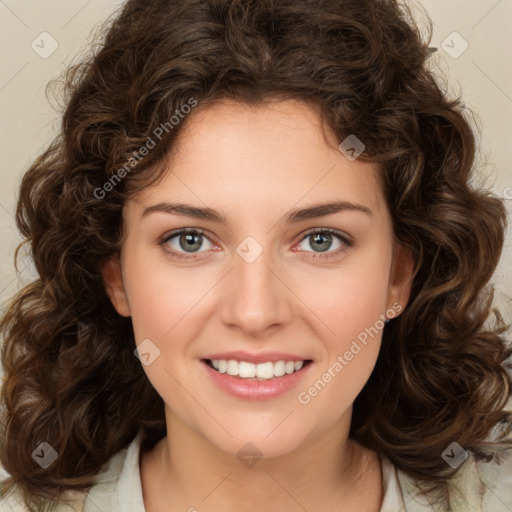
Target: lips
253,388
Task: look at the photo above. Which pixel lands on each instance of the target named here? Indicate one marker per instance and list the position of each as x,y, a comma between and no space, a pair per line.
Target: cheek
160,297
146,299
161,304
354,314
348,300
350,307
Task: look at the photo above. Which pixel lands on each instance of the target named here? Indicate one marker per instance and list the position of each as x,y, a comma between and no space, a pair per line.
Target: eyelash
342,238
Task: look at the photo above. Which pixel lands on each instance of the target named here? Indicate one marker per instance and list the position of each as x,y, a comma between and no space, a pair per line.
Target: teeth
246,369
279,368
264,370
261,371
232,367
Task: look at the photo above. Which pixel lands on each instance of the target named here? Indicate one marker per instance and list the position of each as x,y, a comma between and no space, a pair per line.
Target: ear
113,280
401,277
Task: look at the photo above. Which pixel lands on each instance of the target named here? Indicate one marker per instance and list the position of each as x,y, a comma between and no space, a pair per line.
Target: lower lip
256,389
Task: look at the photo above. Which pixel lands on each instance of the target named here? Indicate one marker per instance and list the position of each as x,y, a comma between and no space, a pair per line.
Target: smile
262,371
264,381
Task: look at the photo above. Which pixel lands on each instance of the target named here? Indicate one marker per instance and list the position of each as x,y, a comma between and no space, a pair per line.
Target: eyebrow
294,216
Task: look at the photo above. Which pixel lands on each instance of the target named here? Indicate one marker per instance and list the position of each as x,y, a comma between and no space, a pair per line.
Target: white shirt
486,486
127,496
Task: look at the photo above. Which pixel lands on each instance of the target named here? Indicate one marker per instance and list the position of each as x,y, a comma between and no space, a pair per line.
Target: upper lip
261,357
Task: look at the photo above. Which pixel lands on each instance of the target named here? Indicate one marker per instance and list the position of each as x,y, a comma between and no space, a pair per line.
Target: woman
190,345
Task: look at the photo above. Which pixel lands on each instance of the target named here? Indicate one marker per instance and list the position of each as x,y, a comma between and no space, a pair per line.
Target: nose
257,298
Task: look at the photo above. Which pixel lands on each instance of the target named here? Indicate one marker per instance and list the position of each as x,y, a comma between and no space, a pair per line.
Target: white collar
125,495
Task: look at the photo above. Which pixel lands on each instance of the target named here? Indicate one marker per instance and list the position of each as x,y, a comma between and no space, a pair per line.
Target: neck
329,469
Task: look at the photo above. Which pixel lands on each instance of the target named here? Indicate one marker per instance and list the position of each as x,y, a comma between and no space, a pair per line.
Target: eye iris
319,238
190,241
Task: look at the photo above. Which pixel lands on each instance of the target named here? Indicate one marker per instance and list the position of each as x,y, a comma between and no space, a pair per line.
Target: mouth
245,370
265,380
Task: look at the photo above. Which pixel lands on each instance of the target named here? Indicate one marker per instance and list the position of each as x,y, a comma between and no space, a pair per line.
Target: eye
320,240
184,241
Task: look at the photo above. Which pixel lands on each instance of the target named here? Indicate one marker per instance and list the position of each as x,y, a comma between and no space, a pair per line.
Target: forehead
255,156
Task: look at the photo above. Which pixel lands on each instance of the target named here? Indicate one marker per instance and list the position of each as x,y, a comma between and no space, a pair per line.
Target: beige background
28,122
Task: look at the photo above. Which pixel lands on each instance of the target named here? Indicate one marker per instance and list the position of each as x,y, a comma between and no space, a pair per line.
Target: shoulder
482,484
119,477
13,501
496,477
102,494
119,483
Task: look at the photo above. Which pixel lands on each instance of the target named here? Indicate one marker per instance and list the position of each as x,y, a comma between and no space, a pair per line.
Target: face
260,277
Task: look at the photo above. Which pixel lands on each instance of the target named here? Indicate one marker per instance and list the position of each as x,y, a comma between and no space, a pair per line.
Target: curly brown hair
71,376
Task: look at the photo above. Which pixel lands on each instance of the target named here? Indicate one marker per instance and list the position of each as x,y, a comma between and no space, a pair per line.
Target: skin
253,165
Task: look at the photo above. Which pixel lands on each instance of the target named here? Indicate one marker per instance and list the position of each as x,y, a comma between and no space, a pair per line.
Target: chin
268,442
